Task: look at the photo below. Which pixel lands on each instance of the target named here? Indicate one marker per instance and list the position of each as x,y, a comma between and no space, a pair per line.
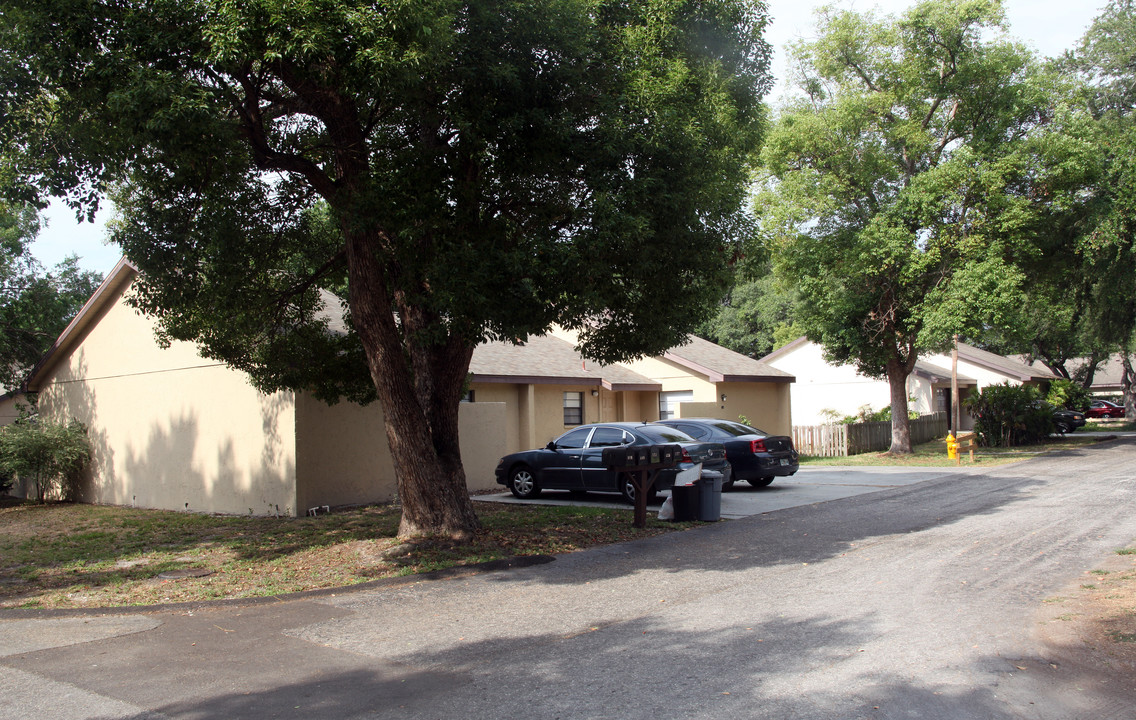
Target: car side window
573,440
694,431
607,437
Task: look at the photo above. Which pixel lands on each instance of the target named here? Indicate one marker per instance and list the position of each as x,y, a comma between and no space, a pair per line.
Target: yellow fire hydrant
952,447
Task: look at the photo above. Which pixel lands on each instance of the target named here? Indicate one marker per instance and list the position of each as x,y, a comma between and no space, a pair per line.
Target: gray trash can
709,498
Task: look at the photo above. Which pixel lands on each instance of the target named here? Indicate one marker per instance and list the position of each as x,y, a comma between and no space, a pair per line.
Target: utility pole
955,386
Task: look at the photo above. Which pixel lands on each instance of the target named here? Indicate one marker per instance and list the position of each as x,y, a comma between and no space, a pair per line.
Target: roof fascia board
119,277
535,380
759,378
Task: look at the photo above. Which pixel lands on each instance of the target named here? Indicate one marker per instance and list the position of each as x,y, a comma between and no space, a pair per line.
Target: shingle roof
721,364
1002,364
547,359
1109,374
934,373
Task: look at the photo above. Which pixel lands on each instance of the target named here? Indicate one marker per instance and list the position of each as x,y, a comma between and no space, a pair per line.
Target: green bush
865,415
1009,415
49,455
1068,395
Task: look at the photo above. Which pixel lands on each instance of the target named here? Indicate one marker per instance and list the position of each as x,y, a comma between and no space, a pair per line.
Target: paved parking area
808,486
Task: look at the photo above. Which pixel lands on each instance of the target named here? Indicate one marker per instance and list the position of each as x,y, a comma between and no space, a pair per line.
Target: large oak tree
458,170
890,191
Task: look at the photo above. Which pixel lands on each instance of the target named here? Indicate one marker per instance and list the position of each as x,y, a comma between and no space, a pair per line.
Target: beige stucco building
548,387
172,429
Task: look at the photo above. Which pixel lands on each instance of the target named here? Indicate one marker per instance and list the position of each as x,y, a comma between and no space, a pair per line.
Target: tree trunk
1129,386
418,386
897,373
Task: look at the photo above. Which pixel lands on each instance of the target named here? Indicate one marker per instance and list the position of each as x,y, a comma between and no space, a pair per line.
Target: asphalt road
923,600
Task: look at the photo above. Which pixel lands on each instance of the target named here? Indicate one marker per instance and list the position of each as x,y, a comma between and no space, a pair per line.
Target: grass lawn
934,454
65,555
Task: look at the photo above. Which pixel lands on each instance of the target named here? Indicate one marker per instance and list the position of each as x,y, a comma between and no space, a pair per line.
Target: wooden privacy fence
842,440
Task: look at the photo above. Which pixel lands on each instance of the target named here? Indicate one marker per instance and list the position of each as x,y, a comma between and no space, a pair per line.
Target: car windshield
664,434
737,429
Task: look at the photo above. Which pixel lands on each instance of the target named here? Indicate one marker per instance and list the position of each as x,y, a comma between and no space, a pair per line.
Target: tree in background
462,171
35,305
756,317
1081,289
890,195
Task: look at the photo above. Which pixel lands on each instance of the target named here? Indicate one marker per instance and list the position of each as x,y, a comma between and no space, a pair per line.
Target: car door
596,475
562,467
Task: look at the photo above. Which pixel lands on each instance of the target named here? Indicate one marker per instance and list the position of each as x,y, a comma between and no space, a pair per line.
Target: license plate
784,461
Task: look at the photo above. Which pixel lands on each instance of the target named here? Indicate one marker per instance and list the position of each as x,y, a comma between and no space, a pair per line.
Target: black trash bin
709,498
685,499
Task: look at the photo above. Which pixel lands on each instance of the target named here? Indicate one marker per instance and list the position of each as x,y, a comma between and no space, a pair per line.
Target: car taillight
686,456
756,446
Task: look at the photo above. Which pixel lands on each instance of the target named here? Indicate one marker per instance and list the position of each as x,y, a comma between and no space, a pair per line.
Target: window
573,408
608,437
668,402
573,440
468,397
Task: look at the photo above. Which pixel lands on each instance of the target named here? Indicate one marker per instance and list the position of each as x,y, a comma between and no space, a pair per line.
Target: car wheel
728,485
760,482
522,483
1063,428
627,490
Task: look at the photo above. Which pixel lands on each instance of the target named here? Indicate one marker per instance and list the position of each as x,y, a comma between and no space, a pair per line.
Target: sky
1048,26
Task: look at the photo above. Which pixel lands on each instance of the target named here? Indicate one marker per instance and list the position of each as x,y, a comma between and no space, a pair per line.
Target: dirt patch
1092,624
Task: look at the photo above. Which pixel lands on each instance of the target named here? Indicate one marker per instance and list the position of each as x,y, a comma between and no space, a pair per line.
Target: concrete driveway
808,486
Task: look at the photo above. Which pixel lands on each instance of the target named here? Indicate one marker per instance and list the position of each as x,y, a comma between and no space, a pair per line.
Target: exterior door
562,467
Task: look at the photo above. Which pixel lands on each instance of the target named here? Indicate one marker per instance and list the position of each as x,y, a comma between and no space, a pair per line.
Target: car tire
522,482
627,490
1063,428
727,485
760,482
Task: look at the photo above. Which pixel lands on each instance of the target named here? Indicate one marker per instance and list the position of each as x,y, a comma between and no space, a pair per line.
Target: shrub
1068,394
1008,415
49,455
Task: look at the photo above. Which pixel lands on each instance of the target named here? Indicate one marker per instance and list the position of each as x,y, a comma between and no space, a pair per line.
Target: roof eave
123,272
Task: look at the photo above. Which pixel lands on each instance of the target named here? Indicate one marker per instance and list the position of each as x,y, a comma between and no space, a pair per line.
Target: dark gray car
574,461
755,456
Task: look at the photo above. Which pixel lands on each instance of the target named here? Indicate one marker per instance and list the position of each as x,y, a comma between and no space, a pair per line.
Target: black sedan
574,461
1066,421
755,456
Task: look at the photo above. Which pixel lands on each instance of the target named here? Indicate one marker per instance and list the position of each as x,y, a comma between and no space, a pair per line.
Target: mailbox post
642,464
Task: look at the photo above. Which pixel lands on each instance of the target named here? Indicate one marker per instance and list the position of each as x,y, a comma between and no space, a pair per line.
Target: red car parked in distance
1104,409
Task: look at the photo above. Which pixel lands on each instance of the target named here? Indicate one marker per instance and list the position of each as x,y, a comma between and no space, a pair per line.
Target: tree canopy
35,305
891,194
458,170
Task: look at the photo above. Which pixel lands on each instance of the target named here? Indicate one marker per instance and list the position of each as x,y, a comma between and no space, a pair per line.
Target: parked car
755,456
1104,409
574,461
1066,421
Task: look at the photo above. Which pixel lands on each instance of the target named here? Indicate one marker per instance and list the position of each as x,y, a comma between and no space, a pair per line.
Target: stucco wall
534,414
765,404
344,459
673,376
9,410
169,428
821,386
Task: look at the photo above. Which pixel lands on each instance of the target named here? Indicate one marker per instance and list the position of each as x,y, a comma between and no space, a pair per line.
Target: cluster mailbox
630,456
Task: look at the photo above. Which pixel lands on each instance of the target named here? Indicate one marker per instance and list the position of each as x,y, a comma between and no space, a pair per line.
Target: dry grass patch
64,555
